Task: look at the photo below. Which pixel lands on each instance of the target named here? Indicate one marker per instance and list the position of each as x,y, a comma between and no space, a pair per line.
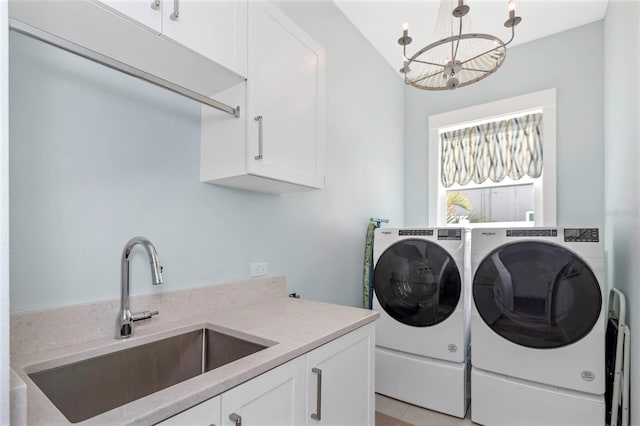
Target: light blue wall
571,62
622,156
97,157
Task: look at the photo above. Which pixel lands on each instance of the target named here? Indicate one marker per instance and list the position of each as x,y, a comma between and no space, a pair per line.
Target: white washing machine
538,327
422,336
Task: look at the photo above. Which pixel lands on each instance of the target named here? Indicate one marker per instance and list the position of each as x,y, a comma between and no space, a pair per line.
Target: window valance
493,150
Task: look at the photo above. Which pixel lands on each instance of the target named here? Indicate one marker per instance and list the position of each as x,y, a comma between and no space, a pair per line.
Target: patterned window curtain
493,151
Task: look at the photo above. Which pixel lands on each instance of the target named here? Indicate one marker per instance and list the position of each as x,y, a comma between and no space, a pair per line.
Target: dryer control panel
450,234
581,235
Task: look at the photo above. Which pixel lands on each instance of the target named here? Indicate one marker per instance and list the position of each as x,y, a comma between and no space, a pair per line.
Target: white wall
622,156
97,157
571,62
4,219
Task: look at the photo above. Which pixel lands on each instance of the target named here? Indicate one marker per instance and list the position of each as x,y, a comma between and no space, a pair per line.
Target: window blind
494,150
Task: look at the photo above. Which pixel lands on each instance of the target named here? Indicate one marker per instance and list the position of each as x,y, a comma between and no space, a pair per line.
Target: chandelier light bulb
513,20
405,29
512,9
405,39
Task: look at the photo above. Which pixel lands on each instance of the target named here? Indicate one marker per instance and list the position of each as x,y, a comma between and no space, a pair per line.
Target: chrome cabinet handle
176,11
155,5
236,419
259,120
318,414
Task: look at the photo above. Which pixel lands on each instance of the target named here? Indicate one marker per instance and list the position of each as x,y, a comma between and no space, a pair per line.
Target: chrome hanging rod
53,40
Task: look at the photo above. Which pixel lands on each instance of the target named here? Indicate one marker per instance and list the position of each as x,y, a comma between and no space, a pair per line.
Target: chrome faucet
125,319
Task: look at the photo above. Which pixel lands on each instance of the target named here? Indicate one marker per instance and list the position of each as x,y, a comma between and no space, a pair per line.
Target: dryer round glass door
417,282
537,294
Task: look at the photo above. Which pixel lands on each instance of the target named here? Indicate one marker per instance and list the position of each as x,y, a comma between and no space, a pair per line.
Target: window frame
545,185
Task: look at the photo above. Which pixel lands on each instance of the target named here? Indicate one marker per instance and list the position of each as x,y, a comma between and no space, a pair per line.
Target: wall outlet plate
259,269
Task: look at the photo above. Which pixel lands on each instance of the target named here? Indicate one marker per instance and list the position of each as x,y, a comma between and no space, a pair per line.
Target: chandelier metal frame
452,69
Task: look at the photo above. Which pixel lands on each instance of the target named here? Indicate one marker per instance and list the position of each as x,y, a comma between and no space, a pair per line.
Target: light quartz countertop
295,326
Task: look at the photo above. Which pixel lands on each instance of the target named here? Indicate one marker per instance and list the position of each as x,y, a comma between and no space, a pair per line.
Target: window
489,169
507,202
494,164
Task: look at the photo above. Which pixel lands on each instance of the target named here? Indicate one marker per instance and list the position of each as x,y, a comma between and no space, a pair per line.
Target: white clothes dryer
422,336
538,326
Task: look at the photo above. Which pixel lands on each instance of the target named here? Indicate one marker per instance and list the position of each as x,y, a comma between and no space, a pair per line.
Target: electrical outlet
258,269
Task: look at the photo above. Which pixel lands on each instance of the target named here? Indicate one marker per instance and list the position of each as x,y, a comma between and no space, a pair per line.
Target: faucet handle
143,315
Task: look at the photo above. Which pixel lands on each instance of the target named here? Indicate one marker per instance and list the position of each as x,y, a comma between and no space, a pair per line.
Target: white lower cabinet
342,371
206,413
275,398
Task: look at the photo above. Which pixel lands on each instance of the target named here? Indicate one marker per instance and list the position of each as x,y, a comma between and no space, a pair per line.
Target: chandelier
461,57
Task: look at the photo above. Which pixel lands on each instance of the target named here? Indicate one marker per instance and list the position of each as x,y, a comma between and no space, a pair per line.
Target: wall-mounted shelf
96,32
119,66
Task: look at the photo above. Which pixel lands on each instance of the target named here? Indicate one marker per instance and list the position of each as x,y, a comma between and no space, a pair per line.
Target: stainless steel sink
93,386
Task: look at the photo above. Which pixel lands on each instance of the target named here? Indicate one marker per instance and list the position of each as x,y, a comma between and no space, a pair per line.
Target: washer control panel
415,232
581,235
532,232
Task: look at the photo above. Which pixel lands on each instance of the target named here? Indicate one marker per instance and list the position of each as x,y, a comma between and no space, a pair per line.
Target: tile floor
391,412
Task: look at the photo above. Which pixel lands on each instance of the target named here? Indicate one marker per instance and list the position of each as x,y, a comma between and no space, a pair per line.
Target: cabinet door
214,29
275,398
343,371
146,12
206,413
285,88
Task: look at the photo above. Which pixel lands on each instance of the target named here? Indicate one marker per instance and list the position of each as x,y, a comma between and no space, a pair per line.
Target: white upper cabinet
283,128
238,52
130,31
216,30
146,12
285,89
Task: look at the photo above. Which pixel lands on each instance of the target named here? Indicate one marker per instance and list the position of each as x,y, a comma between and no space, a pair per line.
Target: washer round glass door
417,282
537,294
